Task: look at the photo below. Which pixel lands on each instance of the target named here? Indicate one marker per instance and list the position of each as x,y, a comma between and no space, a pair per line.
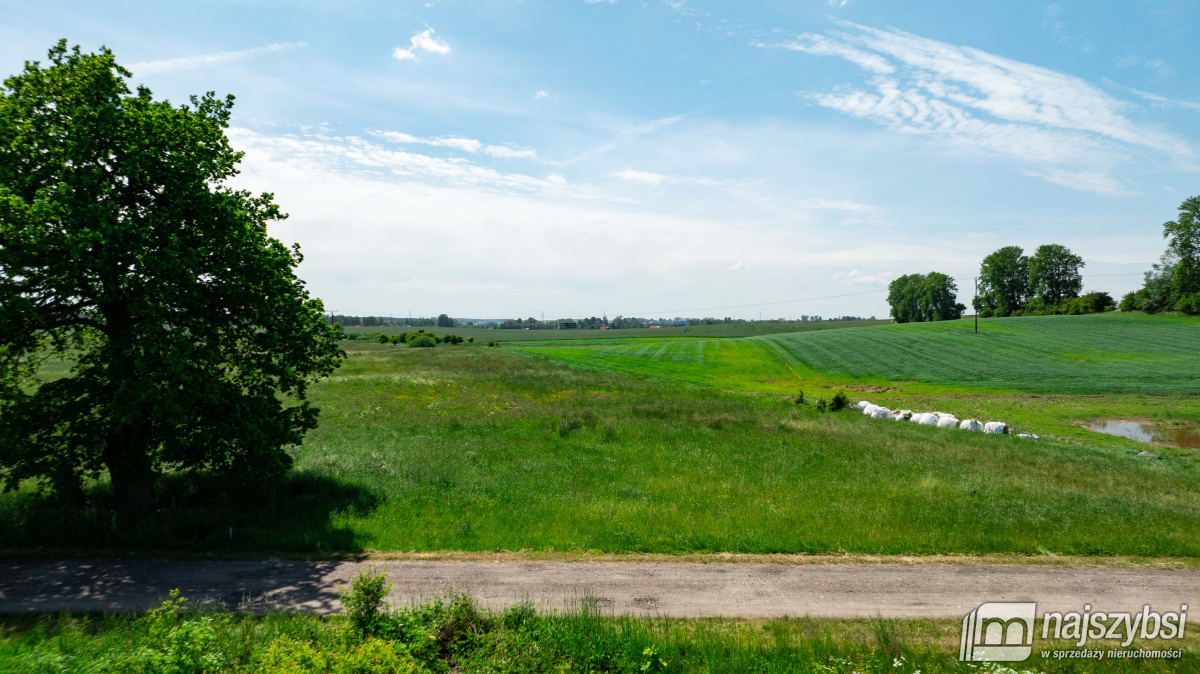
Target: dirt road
692,590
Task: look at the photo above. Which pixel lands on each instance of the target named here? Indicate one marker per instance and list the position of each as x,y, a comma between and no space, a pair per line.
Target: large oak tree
190,341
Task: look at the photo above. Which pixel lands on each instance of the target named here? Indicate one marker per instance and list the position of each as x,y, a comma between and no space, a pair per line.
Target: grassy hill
1095,354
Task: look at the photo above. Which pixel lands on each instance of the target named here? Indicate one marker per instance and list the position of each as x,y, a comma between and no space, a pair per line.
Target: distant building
681,324
606,327
655,326
567,325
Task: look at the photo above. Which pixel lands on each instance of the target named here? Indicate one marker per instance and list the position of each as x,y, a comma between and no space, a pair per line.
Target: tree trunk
132,475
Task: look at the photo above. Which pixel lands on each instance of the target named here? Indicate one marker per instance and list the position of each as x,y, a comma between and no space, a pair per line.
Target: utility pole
976,303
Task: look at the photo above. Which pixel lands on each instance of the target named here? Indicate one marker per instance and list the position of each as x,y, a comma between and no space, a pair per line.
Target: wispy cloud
1166,102
541,94
1065,129
220,58
423,41
465,144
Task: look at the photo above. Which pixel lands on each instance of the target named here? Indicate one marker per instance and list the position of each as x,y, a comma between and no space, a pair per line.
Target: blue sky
666,157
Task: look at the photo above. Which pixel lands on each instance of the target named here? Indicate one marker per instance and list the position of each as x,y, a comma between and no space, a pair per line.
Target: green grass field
476,448
667,332
1093,354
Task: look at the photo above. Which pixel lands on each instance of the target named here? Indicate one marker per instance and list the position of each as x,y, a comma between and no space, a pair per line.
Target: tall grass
471,448
457,635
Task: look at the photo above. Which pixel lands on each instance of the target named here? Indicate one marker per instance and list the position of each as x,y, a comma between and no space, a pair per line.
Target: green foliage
288,655
924,297
123,251
1184,246
365,599
422,342
1054,274
839,401
1003,282
444,321
575,641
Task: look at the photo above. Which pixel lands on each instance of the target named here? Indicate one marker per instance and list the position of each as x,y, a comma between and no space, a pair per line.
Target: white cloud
458,143
593,2
423,41
644,177
823,46
1066,130
509,152
541,94
220,58
372,217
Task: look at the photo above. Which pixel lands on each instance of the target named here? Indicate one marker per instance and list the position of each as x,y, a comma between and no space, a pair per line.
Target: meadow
478,449
458,636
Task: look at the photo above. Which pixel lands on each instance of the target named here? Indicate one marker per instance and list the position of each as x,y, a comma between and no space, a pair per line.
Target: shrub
470,340
288,655
800,398
383,339
1189,304
821,404
491,344
839,402
364,600
422,342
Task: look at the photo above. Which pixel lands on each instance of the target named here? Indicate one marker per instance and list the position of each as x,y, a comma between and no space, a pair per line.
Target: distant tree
939,295
1054,274
1184,246
921,297
124,252
444,321
904,296
1003,282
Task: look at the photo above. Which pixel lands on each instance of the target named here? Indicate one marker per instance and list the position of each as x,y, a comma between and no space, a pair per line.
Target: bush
383,339
822,405
839,402
1189,304
364,600
422,342
800,398
470,340
491,344
288,655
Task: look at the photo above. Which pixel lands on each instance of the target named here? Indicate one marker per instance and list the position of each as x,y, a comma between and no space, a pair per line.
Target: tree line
1173,284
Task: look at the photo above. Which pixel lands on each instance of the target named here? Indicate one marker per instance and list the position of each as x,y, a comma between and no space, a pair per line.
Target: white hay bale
947,422
970,425
862,404
926,419
995,428
1028,436
881,413
902,415
868,409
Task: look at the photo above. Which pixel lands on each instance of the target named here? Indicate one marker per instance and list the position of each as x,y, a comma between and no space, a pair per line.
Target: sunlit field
476,448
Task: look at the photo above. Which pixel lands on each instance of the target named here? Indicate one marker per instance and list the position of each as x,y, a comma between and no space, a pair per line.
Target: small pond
1185,436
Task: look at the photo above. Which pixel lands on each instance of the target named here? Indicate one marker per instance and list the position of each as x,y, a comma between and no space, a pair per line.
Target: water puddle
1172,435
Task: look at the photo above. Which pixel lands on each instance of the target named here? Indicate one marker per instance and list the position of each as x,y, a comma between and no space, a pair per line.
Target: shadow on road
196,514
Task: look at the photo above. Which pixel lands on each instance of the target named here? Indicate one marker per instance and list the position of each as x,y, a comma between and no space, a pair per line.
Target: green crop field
1092,354
667,332
477,448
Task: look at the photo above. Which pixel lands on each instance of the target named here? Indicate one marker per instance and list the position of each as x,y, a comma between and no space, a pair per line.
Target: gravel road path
691,590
